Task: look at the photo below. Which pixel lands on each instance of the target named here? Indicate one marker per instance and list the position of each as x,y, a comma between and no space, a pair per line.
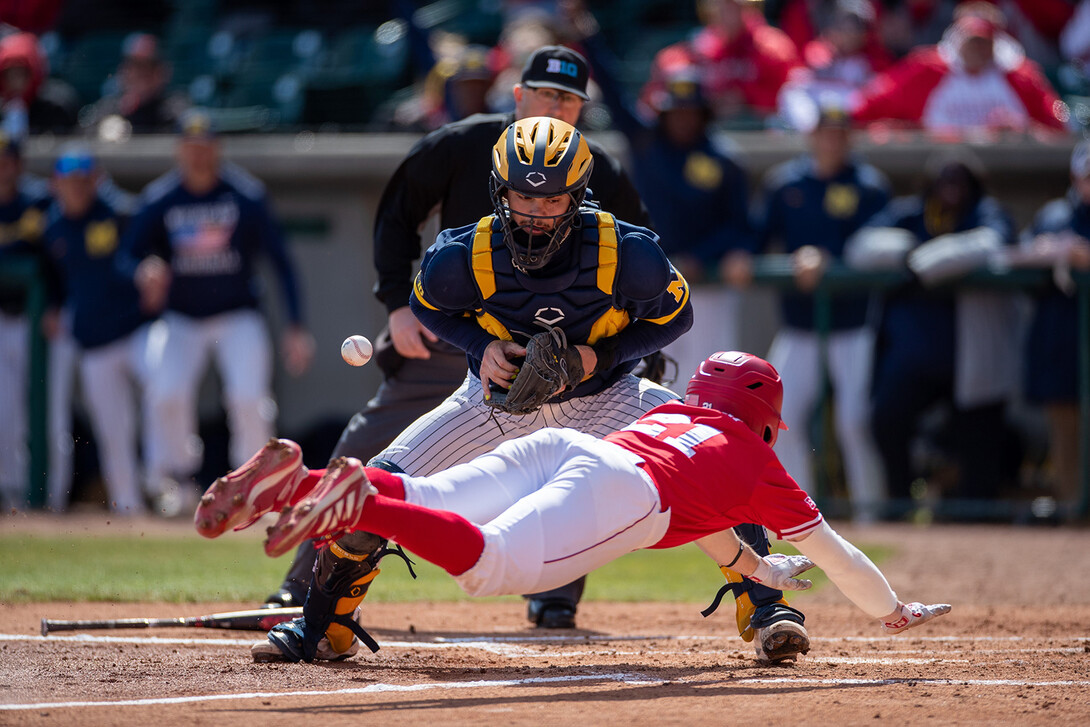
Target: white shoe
268,652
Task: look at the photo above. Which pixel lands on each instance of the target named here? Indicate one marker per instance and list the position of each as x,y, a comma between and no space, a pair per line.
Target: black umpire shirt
450,167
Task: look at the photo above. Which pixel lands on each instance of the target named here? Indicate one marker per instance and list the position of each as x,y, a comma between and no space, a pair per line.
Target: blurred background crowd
78,66
930,391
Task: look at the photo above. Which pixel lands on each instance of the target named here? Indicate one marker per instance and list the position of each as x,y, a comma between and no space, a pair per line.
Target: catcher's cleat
285,644
269,481
551,613
332,507
282,599
779,633
329,628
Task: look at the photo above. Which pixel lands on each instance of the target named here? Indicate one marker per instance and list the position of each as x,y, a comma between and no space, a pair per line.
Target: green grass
189,570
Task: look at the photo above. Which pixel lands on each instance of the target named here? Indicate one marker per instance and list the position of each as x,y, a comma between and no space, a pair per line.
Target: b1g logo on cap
555,65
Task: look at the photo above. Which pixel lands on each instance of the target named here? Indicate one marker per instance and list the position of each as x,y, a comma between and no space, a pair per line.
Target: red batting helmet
743,385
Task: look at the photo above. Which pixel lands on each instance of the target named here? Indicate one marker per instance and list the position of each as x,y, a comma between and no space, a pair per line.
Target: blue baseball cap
76,160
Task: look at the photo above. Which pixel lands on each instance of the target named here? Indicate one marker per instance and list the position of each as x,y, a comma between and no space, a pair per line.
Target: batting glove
778,571
914,614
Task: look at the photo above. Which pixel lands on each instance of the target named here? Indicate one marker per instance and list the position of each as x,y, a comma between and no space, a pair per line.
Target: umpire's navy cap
554,66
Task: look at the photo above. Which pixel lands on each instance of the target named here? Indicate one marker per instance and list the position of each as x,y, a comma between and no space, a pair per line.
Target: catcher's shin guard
748,596
343,573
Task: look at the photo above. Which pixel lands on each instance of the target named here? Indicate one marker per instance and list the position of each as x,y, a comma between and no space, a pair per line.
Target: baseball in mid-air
356,350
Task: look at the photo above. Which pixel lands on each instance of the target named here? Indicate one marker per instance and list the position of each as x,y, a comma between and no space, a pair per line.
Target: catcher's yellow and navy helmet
539,157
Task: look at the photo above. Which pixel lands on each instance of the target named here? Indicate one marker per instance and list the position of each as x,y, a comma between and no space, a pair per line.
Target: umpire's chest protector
579,300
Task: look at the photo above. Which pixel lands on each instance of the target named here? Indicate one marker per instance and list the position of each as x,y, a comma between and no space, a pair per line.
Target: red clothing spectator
39,104
743,61
839,63
975,78
805,21
1036,24
30,16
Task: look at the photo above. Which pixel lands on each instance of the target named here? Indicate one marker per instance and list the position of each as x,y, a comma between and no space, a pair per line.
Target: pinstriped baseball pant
463,426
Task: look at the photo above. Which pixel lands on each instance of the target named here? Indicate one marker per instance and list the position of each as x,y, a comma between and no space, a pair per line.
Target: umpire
446,169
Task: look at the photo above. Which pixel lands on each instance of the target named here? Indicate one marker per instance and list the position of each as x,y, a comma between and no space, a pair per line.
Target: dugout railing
775,271
24,273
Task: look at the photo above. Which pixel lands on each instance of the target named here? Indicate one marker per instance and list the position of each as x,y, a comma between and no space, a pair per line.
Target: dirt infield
1015,649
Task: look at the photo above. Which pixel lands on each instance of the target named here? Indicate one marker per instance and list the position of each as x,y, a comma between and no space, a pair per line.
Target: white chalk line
628,679
370,689
909,680
510,646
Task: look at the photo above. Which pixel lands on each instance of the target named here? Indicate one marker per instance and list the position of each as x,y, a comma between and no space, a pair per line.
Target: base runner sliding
551,506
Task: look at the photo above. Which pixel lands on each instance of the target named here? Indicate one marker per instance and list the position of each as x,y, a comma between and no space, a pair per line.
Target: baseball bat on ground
261,619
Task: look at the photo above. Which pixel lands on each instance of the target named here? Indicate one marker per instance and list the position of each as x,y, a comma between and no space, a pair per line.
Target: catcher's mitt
549,369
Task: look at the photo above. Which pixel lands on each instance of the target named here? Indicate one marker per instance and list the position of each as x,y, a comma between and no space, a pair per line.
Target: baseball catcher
545,258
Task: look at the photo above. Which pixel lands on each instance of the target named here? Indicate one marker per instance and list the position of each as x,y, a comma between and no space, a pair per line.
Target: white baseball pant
849,354
64,357
463,426
14,354
112,378
178,351
553,506
715,328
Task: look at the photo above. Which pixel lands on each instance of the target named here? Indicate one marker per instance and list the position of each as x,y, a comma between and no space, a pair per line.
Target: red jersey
713,473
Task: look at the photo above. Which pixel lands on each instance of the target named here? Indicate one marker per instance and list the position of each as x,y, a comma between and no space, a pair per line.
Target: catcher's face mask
538,158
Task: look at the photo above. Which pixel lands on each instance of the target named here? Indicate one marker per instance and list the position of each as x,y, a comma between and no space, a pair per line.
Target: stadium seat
363,67
478,21
90,61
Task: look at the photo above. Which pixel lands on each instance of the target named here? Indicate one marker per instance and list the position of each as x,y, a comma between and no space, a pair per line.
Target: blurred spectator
1075,38
30,16
30,101
142,103
456,87
22,218
807,21
976,78
82,237
957,347
192,250
904,25
696,193
743,61
1060,237
1035,24
845,57
809,208
524,31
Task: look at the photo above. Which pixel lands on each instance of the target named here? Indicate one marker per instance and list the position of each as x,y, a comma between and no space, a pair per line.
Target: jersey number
677,430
